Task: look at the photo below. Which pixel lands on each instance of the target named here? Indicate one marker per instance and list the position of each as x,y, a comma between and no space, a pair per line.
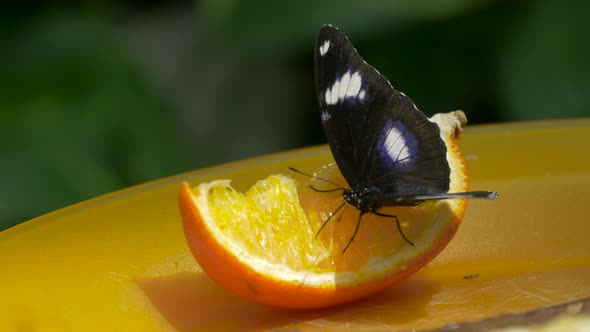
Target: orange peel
262,245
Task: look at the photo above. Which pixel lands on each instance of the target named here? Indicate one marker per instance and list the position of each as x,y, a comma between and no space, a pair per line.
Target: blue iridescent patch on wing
397,146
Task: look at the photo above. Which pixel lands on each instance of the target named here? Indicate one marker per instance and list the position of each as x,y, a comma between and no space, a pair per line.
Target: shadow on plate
191,300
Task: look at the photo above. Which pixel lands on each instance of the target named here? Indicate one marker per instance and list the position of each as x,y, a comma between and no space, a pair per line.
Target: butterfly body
372,199
388,151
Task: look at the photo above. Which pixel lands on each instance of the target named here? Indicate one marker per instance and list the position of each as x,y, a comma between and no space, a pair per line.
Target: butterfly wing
381,142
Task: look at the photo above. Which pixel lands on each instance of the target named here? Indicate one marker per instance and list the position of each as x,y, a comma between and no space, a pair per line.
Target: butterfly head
363,200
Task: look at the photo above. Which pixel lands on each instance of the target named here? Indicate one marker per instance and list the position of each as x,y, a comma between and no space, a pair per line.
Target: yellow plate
120,261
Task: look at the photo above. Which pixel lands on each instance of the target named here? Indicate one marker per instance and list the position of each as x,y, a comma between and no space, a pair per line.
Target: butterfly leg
356,230
328,219
342,213
399,227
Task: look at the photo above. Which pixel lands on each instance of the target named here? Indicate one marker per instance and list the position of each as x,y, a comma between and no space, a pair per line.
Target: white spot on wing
354,86
396,146
335,91
324,48
325,116
347,86
362,94
344,81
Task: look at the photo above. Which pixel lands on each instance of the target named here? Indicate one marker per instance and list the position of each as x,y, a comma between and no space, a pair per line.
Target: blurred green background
98,96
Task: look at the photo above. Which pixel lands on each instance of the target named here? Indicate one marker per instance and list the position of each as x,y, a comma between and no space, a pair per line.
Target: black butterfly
387,150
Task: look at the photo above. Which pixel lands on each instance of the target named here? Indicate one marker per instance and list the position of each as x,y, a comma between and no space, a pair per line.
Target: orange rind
262,244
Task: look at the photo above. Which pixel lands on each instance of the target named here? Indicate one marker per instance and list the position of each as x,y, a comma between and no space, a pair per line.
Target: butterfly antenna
328,219
356,230
324,190
399,227
315,177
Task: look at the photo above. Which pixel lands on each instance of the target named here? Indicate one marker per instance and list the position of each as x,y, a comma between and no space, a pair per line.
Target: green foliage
498,60
261,25
76,118
544,66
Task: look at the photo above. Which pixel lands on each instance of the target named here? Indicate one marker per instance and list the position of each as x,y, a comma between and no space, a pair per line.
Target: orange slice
262,245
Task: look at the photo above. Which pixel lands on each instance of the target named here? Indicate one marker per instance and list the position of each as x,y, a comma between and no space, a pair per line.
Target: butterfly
387,150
